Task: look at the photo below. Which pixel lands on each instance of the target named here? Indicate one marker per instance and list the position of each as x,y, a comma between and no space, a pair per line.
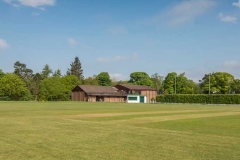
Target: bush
200,98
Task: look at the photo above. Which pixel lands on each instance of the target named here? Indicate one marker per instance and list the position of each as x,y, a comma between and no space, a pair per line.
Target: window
132,98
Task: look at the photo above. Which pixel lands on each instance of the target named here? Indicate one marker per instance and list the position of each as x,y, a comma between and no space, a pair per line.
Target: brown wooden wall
78,95
149,94
114,99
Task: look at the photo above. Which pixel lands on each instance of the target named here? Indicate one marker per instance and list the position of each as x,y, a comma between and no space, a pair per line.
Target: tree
220,82
91,80
1,73
186,86
12,86
169,83
46,71
35,85
141,78
157,81
236,86
52,89
76,69
22,71
57,73
70,81
103,79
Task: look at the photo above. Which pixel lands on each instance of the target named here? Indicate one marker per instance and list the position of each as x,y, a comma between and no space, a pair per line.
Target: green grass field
72,130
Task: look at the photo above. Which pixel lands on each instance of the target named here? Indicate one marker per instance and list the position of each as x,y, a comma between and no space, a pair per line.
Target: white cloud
116,76
103,60
118,31
227,18
186,11
37,3
237,4
231,64
7,1
31,3
71,41
35,14
135,56
3,44
41,8
119,58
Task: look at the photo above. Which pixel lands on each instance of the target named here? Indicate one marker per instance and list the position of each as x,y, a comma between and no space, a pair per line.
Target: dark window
132,98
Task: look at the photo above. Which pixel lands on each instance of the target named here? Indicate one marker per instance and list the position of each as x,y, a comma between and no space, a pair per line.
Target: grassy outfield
72,130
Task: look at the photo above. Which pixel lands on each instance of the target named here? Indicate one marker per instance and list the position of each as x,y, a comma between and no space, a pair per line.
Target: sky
121,36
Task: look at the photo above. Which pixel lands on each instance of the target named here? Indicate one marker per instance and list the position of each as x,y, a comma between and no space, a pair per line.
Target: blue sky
122,36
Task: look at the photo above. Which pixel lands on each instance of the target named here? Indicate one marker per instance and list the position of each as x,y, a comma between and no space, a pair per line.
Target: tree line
49,85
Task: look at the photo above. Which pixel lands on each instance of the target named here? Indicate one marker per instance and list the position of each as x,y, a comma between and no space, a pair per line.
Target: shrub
200,98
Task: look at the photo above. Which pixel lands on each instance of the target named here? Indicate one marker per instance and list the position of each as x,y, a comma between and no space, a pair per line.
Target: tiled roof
101,90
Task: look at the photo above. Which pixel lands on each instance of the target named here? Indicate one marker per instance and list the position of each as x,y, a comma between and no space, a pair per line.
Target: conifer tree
76,69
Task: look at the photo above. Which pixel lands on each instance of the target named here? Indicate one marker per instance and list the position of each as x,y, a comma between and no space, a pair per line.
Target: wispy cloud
187,11
118,30
3,44
37,3
117,76
35,14
135,56
31,3
231,64
103,60
71,41
227,18
237,4
183,12
118,58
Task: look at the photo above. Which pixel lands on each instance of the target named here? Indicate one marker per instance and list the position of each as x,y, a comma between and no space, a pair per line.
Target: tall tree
57,73
35,85
76,69
220,82
22,71
14,87
157,81
140,78
46,71
169,83
104,79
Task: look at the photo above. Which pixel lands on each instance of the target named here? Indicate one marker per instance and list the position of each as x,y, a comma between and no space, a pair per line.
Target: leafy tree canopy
169,83
91,80
157,81
52,89
103,79
12,86
70,81
220,82
140,78
1,73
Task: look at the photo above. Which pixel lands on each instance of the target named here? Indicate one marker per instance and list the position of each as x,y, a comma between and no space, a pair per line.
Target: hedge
200,98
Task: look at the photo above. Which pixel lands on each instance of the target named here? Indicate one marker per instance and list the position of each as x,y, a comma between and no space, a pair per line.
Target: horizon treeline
48,85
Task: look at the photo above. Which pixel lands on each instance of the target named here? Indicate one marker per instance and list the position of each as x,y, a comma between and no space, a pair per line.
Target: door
142,99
